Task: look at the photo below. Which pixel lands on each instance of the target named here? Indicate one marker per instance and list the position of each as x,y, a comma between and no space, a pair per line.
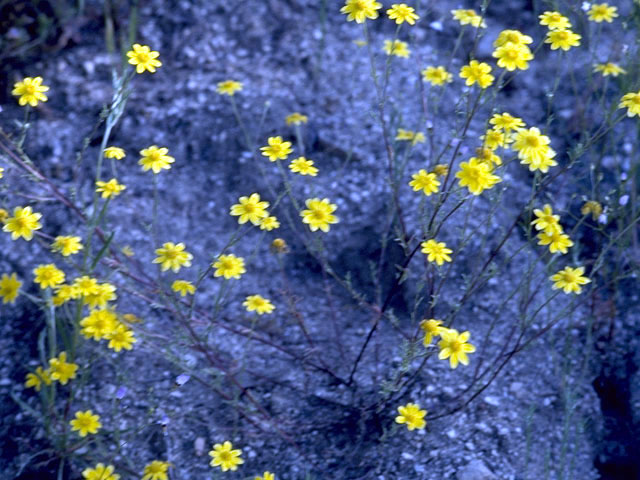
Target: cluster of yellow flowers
550,231
452,345
155,470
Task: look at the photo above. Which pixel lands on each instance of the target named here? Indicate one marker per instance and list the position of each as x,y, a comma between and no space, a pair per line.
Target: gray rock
475,470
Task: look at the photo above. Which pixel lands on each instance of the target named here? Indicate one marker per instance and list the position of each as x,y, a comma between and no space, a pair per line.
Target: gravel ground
544,415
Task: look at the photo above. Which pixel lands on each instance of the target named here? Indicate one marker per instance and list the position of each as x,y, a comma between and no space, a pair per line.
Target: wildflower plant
462,182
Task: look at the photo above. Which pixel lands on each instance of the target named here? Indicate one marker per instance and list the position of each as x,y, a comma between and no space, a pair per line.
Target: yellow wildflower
468,17
602,12
564,39
156,470
143,58
258,304
303,166
225,457
436,75
296,118
630,101
61,370
401,12
360,10
228,87
591,207
609,68
554,20
454,346
100,472
37,379
23,223
477,72
570,280
66,245
9,288
250,209
412,416
476,176
431,328
109,189
155,158
121,337
48,275
85,423
183,287
30,90
397,48
436,251
276,149
269,223
229,266
114,152
319,214
172,256
427,182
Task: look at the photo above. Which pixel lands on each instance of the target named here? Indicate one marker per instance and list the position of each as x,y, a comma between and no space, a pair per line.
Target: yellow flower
23,223
602,12
410,135
506,122
513,56
554,20
258,304
114,152
441,169
250,209
454,346
100,472
436,251
564,39
591,207
360,10
279,246
61,370
229,87
494,138
64,293
468,17
546,220
225,457
401,12
183,287
35,380
86,285
303,166
515,37
9,288
66,245
30,90
296,118
48,275
477,72
630,101
266,476
277,149
269,223
156,159
534,150
229,266
609,68
85,422
3,215
412,416
569,280
172,256
319,214
431,328
397,48
557,241
143,58
436,75
121,337
486,155
128,251
156,470
476,176
99,324
109,189
105,293
427,182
